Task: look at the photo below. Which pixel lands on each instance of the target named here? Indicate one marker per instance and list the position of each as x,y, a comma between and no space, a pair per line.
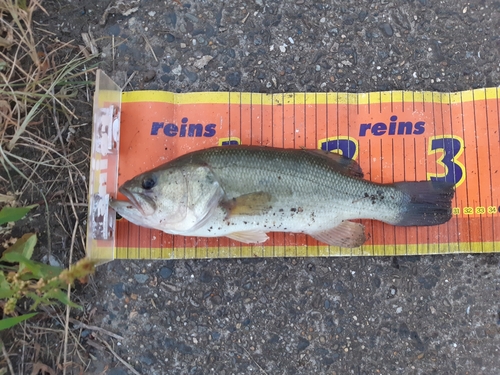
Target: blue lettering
363,129
379,128
170,130
405,127
156,127
419,128
195,130
209,130
392,125
394,128
183,130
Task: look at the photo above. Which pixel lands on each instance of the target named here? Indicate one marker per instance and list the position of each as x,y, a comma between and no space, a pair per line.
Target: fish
246,192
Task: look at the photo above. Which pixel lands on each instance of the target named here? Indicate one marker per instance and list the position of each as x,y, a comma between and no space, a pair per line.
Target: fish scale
293,177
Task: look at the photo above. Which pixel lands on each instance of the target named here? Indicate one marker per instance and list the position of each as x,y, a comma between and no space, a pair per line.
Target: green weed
21,277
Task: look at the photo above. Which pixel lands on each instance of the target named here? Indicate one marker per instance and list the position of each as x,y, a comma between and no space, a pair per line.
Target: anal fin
249,236
347,234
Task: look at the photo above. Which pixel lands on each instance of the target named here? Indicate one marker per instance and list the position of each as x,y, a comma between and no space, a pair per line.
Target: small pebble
114,30
206,277
303,344
191,76
165,272
233,78
192,17
362,15
119,289
117,371
167,78
85,333
386,28
149,75
203,61
147,359
51,260
141,278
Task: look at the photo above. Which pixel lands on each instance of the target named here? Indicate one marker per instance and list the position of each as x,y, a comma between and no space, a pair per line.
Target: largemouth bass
244,192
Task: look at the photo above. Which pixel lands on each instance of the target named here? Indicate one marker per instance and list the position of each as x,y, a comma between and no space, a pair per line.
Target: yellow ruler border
305,251
309,98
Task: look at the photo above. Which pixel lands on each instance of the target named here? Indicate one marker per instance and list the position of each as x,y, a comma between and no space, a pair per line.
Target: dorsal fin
339,162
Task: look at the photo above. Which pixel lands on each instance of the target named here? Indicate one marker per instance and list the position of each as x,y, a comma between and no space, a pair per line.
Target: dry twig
78,324
125,363
66,323
6,356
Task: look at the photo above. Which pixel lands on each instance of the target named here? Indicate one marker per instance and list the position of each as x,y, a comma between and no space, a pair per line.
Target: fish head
175,199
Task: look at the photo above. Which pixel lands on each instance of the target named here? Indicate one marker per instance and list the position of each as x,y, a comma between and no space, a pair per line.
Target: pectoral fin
248,204
347,234
250,236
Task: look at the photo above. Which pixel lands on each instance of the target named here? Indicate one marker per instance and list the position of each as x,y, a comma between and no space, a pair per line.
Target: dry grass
36,79
41,81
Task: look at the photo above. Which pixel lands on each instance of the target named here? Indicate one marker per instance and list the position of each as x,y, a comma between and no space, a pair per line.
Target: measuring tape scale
394,136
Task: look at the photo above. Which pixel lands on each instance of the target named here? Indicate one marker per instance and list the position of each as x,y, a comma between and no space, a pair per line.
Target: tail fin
429,203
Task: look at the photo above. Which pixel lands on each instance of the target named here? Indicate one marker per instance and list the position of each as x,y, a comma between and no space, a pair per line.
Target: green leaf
9,214
35,298
6,293
22,4
25,246
38,269
10,322
5,290
63,298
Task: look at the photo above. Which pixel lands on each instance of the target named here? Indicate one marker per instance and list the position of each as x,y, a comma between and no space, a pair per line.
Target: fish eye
149,182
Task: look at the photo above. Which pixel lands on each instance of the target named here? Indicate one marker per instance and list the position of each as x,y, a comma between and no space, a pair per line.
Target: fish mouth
140,202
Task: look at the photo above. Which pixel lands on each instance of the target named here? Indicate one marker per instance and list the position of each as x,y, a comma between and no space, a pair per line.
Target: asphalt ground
384,315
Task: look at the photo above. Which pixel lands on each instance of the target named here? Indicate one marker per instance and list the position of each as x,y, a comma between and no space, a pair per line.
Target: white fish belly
294,219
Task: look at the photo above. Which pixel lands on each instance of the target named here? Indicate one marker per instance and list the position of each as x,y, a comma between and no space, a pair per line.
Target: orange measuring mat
395,136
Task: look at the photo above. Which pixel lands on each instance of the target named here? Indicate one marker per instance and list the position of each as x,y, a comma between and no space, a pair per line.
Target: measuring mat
394,136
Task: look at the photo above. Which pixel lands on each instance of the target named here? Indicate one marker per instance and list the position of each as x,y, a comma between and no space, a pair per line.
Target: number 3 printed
451,148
